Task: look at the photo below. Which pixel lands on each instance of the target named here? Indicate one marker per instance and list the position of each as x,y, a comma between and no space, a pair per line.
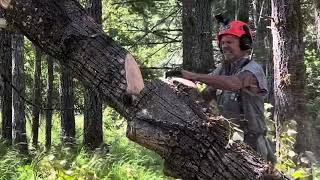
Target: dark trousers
261,145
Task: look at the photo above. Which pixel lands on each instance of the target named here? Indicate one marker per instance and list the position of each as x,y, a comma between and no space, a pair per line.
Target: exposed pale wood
3,23
5,3
133,75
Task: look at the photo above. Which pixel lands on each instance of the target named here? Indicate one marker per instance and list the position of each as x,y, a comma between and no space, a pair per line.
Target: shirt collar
238,63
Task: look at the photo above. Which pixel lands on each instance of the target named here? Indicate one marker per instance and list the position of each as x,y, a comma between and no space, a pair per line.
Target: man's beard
228,55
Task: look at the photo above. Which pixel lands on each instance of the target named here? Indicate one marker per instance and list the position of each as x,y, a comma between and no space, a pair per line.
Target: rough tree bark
242,11
93,133
6,96
316,4
197,24
160,118
316,127
68,127
36,99
230,7
18,109
289,70
49,102
262,43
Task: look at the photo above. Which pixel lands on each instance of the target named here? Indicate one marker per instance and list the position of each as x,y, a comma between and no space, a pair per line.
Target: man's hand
189,75
183,74
173,73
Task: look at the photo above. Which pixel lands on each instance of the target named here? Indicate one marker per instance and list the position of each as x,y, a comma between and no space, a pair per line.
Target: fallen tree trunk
160,117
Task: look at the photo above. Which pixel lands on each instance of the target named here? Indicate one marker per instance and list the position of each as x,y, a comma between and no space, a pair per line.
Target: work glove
173,73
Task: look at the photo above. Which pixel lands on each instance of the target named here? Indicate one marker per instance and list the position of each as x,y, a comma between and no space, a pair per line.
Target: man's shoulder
253,66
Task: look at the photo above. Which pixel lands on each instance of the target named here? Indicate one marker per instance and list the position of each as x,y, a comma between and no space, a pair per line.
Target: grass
118,159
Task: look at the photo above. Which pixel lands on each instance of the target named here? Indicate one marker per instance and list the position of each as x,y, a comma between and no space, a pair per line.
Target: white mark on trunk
5,3
133,75
3,23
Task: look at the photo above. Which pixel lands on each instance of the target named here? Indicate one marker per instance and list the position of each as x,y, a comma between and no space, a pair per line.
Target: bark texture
36,99
230,7
94,9
18,107
262,44
93,134
197,35
66,32
68,130
49,101
242,12
316,127
6,68
160,118
193,144
289,70
316,4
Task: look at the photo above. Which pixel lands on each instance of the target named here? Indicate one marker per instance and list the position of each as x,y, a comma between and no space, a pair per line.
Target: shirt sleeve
250,83
209,92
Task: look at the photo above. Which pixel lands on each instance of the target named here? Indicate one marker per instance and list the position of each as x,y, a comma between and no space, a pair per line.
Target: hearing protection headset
238,29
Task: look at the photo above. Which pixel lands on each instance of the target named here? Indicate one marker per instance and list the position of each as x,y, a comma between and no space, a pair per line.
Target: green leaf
300,173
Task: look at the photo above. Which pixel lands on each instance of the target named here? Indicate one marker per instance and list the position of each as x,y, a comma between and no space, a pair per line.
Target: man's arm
217,81
232,83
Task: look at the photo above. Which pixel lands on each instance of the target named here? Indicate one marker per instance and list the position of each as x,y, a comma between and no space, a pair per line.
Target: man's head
230,47
234,40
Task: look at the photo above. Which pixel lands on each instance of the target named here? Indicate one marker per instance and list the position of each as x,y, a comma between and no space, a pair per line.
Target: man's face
231,48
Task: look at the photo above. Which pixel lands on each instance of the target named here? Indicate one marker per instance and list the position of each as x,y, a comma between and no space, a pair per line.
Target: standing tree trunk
159,116
230,7
289,70
316,124
316,4
93,133
242,11
6,73
262,44
68,132
49,102
197,35
36,100
18,108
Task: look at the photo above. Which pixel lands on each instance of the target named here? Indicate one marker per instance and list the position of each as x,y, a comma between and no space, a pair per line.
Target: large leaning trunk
159,117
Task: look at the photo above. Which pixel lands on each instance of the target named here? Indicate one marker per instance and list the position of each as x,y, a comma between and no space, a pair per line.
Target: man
239,86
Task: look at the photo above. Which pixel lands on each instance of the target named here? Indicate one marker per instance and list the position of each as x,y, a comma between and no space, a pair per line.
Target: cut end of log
133,76
5,3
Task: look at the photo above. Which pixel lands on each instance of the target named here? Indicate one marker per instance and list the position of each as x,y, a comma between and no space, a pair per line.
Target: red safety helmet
239,29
